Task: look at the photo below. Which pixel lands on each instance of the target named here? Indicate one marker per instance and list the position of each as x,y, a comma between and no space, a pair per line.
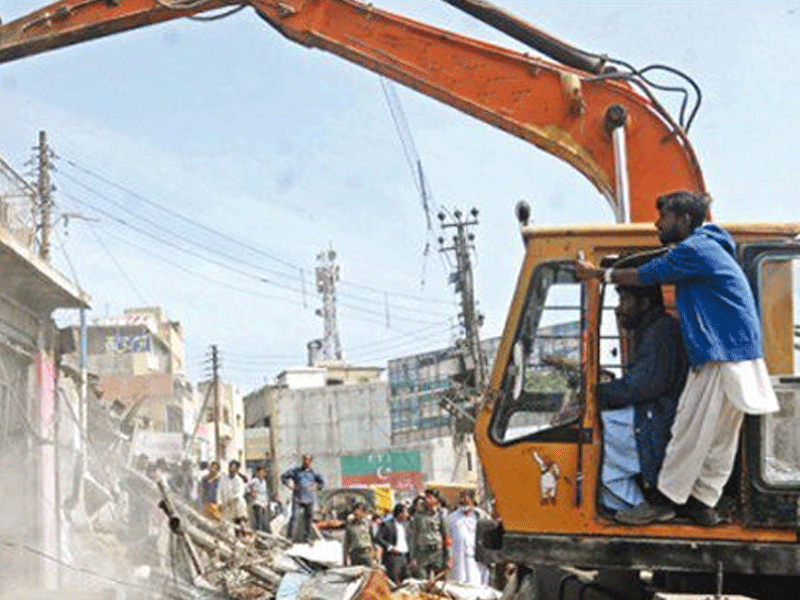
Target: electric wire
176,214
400,294
122,271
207,278
203,276
407,142
75,568
259,356
438,327
249,359
205,248
87,171
70,265
381,353
414,163
163,229
237,270
167,243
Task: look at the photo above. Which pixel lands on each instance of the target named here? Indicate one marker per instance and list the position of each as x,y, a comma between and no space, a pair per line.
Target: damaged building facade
138,359
29,376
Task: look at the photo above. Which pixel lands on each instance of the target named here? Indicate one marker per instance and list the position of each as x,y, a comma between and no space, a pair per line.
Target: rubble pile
136,530
209,559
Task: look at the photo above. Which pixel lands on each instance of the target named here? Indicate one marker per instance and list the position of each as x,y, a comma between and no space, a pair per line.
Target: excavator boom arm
559,109
71,21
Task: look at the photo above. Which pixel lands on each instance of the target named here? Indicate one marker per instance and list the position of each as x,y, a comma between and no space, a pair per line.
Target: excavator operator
638,408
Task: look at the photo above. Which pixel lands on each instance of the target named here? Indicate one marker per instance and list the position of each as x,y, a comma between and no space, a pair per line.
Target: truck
537,430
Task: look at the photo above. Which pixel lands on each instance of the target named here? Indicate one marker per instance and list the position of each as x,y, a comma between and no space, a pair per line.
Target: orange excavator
538,431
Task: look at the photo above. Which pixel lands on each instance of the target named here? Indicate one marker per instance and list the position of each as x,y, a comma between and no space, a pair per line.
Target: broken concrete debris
218,560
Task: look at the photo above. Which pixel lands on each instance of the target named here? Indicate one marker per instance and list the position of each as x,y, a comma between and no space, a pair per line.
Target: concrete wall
327,422
31,291
302,377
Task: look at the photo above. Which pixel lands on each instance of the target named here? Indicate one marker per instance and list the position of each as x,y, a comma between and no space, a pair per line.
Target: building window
174,418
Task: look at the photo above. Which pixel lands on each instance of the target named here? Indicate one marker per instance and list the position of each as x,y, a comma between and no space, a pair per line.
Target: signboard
158,444
402,470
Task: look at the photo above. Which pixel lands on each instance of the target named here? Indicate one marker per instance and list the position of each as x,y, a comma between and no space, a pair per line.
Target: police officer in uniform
429,540
357,547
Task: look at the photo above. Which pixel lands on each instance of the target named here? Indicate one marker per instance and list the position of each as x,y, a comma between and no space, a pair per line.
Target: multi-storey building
231,425
326,411
416,387
139,360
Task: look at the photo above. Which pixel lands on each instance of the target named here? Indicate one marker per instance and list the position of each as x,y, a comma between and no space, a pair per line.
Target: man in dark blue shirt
638,408
304,483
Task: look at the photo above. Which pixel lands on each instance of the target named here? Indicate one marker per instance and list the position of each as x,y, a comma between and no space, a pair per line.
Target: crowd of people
419,539
232,497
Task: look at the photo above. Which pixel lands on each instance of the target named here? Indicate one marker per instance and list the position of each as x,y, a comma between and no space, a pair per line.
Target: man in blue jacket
722,337
304,482
638,408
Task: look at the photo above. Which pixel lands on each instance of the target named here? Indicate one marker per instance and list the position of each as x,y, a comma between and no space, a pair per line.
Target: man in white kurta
463,525
231,495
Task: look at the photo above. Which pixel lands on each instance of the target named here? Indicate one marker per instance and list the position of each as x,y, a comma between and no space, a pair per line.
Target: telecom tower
327,275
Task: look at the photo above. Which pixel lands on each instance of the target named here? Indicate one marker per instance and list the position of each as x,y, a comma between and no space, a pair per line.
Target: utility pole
462,278
327,275
215,383
460,402
45,198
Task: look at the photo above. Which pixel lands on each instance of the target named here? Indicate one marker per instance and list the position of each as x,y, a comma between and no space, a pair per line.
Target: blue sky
289,150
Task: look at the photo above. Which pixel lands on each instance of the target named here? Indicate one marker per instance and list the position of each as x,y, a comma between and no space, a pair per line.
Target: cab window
779,304
543,378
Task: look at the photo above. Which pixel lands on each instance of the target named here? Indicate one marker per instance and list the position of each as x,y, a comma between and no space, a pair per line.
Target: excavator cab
539,434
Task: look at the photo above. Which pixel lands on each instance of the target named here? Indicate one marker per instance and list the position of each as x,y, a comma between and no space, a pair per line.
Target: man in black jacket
638,408
392,537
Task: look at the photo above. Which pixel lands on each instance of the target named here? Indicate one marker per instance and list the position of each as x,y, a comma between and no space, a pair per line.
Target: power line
222,264
204,277
438,326
227,237
260,356
71,567
400,294
252,292
122,271
177,214
380,353
67,258
201,256
178,236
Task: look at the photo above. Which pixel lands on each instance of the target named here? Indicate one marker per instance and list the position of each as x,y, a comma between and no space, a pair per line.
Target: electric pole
327,275
462,278
45,198
215,383
461,401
